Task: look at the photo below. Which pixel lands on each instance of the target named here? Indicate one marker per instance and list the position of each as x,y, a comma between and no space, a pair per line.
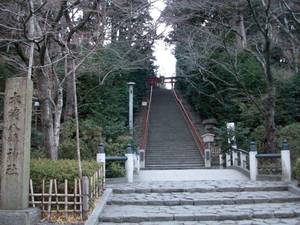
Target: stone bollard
129,165
101,158
253,161
137,165
234,158
221,161
286,162
228,159
243,160
142,158
208,139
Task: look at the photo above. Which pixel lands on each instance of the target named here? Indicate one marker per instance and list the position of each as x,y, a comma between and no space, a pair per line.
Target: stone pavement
274,221
184,175
229,199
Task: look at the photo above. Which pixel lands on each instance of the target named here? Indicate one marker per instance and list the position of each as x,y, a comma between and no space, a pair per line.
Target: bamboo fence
67,198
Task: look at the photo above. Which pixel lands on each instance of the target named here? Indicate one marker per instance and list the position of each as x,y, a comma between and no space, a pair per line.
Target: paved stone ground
207,202
188,175
274,221
121,214
187,198
198,186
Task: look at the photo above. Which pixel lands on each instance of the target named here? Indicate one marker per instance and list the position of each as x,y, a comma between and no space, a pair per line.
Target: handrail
116,158
239,150
269,155
193,129
144,141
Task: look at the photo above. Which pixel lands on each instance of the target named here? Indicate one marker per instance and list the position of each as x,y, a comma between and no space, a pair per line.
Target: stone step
172,157
136,214
219,198
173,167
173,163
272,221
200,187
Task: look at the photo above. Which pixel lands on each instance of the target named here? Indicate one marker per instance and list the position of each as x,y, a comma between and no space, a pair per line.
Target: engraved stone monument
15,162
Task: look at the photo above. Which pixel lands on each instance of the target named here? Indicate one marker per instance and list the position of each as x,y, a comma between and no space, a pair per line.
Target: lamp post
130,119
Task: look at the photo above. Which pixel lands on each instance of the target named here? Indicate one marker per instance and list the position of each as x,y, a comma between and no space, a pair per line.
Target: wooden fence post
85,195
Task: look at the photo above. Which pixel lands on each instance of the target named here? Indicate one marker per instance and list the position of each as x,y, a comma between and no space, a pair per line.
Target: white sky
163,52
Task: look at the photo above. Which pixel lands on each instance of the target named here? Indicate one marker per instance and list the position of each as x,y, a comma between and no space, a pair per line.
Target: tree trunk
269,103
241,38
269,115
44,91
69,103
57,115
77,121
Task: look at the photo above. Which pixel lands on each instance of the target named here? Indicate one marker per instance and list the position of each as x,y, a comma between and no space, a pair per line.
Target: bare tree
207,27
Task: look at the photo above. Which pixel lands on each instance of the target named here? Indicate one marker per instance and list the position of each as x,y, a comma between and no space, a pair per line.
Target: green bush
291,133
297,170
90,138
115,169
60,170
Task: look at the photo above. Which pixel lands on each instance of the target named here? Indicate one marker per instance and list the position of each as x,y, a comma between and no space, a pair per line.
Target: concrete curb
94,217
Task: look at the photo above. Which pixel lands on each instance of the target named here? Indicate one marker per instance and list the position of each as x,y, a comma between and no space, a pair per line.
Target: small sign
144,103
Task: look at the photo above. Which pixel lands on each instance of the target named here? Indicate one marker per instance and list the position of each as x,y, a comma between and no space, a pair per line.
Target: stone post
15,166
130,119
129,165
142,158
243,160
208,139
15,159
137,165
101,158
253,161
234,157
286,162
228,159
221,160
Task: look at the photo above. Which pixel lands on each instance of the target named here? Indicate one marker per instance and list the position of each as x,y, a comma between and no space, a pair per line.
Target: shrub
297,170
60,169
291,133
90,137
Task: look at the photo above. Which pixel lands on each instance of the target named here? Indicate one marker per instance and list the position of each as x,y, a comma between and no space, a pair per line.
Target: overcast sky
163,52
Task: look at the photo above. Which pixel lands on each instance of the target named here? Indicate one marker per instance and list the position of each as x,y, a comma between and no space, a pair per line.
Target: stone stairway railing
249,162
131,159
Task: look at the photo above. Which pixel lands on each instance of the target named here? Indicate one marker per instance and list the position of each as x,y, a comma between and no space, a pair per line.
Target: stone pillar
234,158
129,165
228,159
142,158
137,165
253,161
15,165
101,158
130,119
286,162
243,160
221,160
208,139
15,159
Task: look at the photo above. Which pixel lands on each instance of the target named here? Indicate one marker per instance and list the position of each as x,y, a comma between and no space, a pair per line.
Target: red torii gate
153,80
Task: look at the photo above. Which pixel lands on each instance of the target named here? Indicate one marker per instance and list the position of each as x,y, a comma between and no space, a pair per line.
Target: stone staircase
170,143
203,202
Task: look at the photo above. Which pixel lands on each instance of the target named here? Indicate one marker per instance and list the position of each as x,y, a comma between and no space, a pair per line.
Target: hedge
297,170
60,169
